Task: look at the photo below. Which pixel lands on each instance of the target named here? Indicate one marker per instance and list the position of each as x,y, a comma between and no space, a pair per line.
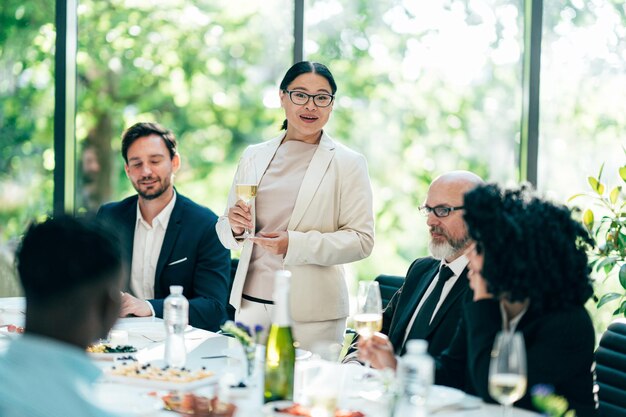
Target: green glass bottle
280,353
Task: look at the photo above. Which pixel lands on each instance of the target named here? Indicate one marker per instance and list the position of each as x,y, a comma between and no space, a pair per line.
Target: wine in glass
246,187
369,311
507,370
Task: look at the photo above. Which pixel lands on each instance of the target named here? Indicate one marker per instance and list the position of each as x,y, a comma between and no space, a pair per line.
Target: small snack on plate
156,373
12,328
106,348
192,404
299,410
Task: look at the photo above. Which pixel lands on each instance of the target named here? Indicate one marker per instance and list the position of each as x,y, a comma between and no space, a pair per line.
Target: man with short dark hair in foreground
71,272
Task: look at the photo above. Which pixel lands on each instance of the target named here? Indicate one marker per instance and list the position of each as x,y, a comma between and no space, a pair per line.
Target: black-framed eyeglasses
301,98
438,211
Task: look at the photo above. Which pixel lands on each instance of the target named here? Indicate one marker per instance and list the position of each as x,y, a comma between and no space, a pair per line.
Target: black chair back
388,284
611,370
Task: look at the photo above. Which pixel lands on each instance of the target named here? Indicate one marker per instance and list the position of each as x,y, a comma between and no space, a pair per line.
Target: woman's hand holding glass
241,215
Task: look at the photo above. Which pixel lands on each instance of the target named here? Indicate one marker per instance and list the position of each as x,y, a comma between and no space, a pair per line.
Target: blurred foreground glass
507,370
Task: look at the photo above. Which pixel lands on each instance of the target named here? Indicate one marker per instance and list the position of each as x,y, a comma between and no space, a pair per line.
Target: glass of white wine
369,311
246,187
507,370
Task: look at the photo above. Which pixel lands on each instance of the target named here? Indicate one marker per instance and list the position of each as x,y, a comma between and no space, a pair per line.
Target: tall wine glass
369,311
246,187
507,370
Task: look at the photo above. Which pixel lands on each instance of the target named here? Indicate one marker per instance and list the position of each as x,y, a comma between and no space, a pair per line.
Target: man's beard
450,248
154,192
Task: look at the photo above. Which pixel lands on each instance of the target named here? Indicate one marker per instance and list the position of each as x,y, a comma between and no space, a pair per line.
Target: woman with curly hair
529,273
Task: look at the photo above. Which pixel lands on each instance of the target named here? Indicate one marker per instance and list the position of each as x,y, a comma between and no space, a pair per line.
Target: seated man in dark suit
428,305
169,239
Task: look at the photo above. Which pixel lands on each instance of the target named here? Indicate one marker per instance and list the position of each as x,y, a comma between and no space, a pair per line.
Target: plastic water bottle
176,316
416,373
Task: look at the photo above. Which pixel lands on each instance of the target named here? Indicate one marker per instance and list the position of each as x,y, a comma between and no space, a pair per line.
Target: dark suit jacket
190,234
400,309
559,351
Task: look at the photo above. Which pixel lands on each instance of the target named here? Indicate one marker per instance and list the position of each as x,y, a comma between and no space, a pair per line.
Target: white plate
126,401
161,385
152,331
101,356
440,396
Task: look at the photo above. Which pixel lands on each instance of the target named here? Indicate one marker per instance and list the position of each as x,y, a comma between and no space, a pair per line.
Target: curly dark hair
532,248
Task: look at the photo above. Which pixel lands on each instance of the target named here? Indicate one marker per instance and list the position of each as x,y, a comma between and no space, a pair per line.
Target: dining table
224,358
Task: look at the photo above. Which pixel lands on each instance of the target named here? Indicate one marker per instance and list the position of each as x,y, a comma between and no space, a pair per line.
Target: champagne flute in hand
246,186
507,370
369,312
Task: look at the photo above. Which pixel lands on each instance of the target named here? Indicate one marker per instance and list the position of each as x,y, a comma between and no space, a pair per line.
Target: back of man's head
62,255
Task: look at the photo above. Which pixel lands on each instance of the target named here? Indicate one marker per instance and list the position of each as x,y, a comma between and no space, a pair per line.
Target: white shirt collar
511,325
162,219
458,265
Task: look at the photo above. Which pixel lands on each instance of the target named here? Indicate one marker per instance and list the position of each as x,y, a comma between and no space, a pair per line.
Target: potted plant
605,218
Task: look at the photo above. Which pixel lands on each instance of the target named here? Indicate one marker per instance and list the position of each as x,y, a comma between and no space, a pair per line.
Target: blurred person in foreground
529,273
71,271
169,239
313,214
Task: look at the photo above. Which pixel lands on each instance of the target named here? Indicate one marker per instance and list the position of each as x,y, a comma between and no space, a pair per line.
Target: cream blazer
332,224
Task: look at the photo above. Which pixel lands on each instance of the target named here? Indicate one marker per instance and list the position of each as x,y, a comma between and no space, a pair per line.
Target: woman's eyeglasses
301,98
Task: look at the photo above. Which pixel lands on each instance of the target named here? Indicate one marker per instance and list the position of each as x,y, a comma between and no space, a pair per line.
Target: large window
583,80
208,70
423,88
27,38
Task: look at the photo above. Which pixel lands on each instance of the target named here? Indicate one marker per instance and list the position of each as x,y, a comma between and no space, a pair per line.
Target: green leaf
596,185
600,173
576,196
622,276
614,194
588,219
606,298
608,261
622,173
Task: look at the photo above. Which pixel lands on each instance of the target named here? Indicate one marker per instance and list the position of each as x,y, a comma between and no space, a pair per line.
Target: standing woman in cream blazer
313,213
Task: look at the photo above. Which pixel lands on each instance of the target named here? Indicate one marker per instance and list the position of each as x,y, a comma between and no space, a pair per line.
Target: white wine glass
507,370
246,187
369,312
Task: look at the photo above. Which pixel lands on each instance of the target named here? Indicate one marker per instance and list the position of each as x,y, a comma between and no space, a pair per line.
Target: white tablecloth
229,365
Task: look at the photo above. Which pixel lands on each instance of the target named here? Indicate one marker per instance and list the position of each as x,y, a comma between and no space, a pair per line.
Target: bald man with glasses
428,305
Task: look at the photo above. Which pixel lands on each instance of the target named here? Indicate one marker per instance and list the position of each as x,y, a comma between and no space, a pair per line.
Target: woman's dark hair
143,129
305,67
532,248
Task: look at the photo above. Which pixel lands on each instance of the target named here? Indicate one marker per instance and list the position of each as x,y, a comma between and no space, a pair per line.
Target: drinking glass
246,187
507,370
369,311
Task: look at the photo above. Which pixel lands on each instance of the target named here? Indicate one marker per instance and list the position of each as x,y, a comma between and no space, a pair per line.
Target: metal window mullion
529,135
65,106
298,31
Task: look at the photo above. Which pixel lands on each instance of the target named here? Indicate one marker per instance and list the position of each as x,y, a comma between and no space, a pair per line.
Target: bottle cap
282,279
176,289
416,346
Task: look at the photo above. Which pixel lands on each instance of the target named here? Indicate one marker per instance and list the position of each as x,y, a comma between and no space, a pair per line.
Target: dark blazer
190,234
398,313
559,351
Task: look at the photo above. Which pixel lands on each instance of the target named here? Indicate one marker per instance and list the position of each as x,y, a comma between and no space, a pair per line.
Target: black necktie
421,325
